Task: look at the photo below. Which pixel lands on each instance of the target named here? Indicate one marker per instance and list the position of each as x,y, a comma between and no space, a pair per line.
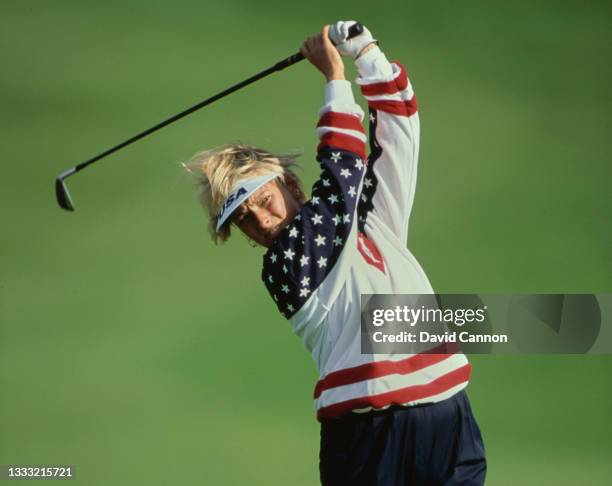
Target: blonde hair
217,171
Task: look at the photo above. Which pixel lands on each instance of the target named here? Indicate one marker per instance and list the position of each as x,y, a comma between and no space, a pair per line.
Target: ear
294,188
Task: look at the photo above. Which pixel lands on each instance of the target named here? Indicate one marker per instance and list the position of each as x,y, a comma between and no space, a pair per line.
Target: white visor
239,194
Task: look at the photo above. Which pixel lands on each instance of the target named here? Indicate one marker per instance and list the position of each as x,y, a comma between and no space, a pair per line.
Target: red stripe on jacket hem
343,142
377,369
341,120
398,397
397,84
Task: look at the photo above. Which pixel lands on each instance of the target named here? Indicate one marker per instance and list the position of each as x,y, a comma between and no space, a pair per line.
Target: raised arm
303,270
390,180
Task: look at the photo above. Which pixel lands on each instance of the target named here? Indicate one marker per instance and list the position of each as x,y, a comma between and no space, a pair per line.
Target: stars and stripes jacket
350,239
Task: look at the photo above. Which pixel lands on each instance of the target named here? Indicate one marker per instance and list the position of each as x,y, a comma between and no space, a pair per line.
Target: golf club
61,191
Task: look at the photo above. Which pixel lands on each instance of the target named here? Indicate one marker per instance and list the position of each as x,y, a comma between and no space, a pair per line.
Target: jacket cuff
339,91
374,64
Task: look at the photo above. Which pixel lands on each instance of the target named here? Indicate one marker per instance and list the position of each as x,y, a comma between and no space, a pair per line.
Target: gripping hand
338,33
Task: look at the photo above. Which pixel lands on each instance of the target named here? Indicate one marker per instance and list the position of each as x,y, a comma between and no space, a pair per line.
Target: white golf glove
338,34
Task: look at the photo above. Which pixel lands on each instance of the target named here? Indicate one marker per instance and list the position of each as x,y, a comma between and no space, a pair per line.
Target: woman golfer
385,419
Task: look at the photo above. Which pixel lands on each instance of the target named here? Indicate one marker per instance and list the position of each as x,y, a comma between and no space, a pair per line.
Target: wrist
335,76
367,48
373,64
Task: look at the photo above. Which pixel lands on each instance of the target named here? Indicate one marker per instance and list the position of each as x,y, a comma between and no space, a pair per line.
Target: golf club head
61,191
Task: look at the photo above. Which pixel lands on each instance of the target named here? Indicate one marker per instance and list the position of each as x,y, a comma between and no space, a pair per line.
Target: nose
262,217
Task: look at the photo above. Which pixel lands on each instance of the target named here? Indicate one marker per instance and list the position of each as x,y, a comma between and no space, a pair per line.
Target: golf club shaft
63,196
277,67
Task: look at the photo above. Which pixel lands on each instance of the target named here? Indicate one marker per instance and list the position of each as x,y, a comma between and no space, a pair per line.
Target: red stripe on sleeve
343,142
402,108
401,396
377,369
341,120
399,83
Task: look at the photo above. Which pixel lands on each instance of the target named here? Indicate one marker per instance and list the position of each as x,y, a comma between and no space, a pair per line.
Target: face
266,212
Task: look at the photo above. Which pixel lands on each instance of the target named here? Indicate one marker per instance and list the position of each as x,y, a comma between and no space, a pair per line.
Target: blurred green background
133,348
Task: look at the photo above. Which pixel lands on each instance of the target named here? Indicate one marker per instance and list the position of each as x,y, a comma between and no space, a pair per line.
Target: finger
345,30
317,43
325,34
327,42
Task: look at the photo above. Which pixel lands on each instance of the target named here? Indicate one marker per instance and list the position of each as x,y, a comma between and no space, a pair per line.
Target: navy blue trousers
434,444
